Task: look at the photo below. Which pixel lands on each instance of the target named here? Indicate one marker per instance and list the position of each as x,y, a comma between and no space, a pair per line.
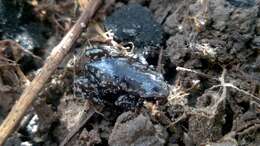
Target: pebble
135,23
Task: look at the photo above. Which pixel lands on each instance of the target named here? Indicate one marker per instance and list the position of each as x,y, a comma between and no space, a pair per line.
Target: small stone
135,23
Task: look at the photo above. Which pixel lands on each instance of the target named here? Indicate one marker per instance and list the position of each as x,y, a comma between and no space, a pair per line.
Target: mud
208,55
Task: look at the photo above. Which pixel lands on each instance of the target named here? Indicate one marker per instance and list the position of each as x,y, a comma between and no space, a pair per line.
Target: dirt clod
132,129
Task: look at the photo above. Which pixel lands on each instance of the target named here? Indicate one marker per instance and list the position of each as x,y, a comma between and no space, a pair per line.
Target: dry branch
52,62
88,113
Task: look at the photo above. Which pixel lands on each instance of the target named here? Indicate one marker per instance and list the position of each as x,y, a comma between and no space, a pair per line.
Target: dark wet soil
208,52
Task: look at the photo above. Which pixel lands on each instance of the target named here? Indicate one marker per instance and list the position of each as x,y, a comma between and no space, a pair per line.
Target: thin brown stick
87,115
159,63
76,128
12,43
52,62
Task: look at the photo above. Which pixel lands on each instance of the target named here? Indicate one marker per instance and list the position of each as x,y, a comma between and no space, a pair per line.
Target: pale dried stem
211,111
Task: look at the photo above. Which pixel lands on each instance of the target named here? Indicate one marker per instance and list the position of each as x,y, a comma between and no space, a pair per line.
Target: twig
159,62
15,44
183,116
52,62
17,69
257,99
223,95
87,115
196,72
225,85
252,128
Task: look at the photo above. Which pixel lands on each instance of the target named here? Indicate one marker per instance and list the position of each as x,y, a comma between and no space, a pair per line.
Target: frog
114,79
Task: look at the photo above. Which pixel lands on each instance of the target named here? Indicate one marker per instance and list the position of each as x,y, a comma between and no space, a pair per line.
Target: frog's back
121,70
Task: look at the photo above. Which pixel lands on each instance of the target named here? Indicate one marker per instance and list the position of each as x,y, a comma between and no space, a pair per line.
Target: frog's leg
85,88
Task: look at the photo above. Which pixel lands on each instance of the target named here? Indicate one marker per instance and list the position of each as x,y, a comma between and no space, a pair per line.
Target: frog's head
154,90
